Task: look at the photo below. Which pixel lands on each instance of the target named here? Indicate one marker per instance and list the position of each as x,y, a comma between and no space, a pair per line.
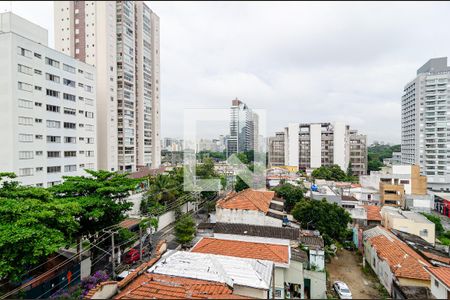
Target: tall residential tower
121,39
426,123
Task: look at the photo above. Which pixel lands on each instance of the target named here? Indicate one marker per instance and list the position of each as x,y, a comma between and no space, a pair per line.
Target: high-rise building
48,107
426,123
121,39
243,129
310,146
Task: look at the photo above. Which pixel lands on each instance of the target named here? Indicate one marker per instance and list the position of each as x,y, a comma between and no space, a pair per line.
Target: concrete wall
250,292
409,226
318,284
252,217
439,291
293,144
380,267
315,135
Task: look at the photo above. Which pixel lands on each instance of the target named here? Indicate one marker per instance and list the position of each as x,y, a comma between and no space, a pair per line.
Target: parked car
133,255
342,290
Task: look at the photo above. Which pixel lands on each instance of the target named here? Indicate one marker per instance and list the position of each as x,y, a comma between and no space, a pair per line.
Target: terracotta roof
433,256
441,273
248,199
145,171
373,212
129,223
403,261
271,252
158,286
348,198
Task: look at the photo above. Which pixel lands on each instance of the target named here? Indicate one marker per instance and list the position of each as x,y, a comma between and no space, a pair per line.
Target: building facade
426,123
121,39
48,100
310,146
244,133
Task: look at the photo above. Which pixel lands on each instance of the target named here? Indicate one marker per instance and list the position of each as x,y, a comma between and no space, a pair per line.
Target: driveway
346,267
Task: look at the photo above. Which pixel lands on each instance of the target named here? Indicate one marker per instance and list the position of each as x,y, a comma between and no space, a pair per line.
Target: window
52,77
89,101
38,72
68,68
53,108
53,124
25,86
69,125
88,88
27,121
52,93
26,138
25,154
53,154
52,62
24,52
70,111
37,120
39,136
37,55
80,84
53,183
55,169
25,103
90,141
89,115
70,153
37,88
89,153
38,104
423,232
24,69
53,139
70,168
69,82
39,153
89,127
70,140
436,283
26,172
89,76
80,71
404,181
69,97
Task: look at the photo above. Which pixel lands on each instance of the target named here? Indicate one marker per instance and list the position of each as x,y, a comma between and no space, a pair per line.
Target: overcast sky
301,62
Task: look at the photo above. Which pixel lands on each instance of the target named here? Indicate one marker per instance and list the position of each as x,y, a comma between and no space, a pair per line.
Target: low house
394,261
408,221
440,282
251,207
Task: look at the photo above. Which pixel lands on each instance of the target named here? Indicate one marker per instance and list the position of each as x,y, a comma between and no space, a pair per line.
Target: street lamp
307,225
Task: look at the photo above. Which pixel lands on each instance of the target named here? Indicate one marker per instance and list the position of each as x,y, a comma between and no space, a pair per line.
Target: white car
342,290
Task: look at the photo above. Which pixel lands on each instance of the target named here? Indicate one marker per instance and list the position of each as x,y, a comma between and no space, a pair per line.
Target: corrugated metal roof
257,230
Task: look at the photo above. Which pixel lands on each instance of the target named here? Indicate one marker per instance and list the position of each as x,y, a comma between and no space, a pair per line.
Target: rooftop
218,268
441,273
248,199
373,212
403,214
257,250
257,230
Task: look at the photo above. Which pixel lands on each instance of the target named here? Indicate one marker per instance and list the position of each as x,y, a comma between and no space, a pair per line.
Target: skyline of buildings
122,40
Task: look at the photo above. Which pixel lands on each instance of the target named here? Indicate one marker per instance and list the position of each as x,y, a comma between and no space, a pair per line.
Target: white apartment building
48,107
121,39
309,146
426,123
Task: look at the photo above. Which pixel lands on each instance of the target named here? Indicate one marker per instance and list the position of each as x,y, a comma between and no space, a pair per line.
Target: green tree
437,222
291,195
162,189
377,152
330,219
33,225
240,184
185,229
333,172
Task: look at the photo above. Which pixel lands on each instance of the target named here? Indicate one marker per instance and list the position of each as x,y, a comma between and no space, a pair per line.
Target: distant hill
377,152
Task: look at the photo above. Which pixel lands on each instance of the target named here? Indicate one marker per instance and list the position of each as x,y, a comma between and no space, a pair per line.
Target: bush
91,282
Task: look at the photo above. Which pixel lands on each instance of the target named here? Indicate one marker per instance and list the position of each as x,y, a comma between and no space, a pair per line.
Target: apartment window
69,97
54,169
70,153
39,136
25,154
38,104
70,140
89,127
37,88
70,125
70,168
80,84
37,55
90,141
423,232
81,152
68,68
89,153
88,88
38,72
89,115
26,138
53,154
89,76
25,86
53,108
39,153
25,103
39,169
89,101
26,172
53,139
24,69
52,77
27,121
52,62
52,93
70,111
404,181
69,82
37,120
80,71
24,52
436,283
53,124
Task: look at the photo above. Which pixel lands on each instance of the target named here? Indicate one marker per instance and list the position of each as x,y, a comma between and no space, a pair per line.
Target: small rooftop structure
253,273
248,199
257,230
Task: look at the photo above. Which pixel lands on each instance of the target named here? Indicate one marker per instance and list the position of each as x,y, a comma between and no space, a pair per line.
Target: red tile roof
248,200
373,212
264,251
433,256
157,286
441,273
403,261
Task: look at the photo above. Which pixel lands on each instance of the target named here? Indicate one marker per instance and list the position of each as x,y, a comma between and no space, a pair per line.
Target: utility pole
113,255
140,243
273,281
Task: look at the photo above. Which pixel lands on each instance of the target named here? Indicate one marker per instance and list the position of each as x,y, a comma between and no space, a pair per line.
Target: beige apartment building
121,39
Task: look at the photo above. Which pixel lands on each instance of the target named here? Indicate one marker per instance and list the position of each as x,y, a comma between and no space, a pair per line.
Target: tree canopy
185,229
333,172
377,152
290,193
330,219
